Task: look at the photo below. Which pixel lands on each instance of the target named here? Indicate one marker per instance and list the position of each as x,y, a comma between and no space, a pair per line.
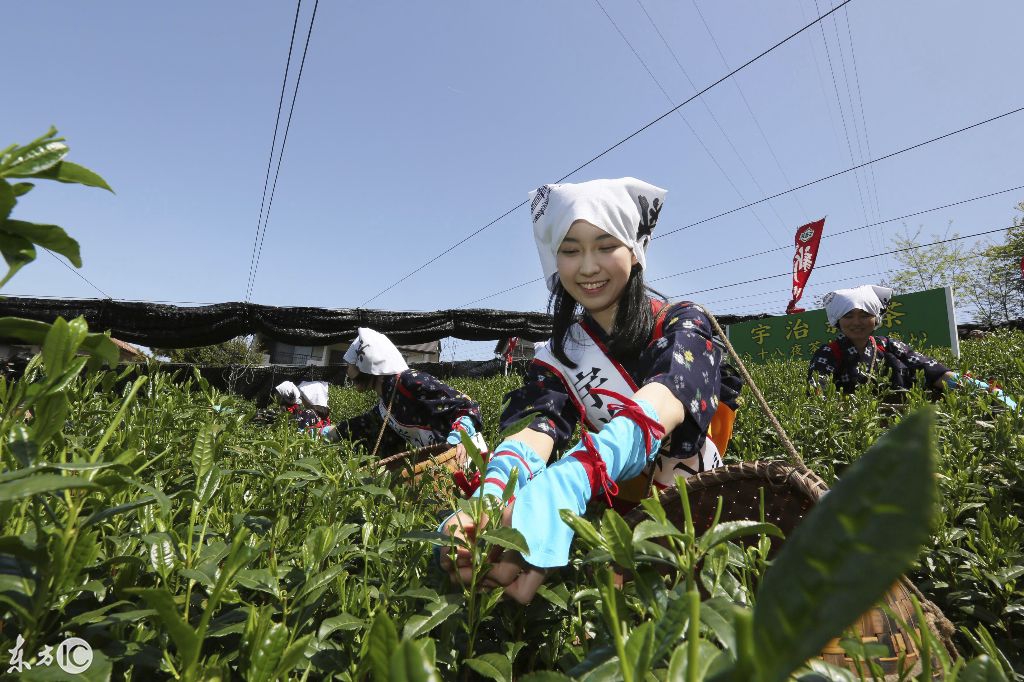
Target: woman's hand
507,570
461,526
520,580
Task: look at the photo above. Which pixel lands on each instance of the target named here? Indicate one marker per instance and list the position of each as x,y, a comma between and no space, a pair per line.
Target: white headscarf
626,208
373,353
869,298
314,393
288,392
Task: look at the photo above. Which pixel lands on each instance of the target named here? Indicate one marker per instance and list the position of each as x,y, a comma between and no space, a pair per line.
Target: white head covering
288,392
626,208
869,298
373,353
314,392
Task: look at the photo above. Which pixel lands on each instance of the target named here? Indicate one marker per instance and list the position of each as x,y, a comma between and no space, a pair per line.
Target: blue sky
418,123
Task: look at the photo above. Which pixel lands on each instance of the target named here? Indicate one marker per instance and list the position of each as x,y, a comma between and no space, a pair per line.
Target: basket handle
794,456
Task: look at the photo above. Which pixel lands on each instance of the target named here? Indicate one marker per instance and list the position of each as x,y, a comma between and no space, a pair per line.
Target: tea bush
180,538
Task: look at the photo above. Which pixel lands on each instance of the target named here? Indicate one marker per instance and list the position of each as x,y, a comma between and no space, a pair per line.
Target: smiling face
857,325
594,268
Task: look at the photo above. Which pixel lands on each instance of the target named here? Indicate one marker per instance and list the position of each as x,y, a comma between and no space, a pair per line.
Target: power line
280,154
844,262
788,292
843,172
618,144
743,96
780,248
727,177
273,143
847,231
862,178
503,291
842,114
821,78
76,272
863,118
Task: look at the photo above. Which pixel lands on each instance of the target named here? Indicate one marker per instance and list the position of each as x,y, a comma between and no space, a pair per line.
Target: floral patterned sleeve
441,404
686,362
933,369
543,395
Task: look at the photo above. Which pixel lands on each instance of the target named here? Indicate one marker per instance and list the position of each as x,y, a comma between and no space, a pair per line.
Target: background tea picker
856,356
414,408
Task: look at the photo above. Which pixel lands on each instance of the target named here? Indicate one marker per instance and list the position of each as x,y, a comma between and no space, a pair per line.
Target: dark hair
362,381
634,320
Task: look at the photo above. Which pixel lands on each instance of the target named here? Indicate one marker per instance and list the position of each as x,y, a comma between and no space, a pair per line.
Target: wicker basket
417,463
789,493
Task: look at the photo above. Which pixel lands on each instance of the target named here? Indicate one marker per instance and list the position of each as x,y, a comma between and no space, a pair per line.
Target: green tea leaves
853,545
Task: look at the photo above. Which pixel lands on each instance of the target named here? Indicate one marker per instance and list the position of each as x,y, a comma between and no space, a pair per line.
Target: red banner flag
512,343
807,239
1022,266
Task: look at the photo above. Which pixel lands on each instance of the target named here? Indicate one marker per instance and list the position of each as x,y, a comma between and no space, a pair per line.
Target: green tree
986,280
950,263
241,350
997,288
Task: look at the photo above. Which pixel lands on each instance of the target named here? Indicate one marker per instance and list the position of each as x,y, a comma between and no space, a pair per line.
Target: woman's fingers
506,569
464,575
506,514
525,586
462,558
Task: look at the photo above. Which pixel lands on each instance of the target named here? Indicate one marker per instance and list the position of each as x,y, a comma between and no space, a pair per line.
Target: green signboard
922,319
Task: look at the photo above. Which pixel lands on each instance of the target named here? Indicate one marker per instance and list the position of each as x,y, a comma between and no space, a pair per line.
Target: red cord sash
590,456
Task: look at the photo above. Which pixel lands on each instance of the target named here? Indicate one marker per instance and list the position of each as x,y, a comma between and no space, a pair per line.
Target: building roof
127,348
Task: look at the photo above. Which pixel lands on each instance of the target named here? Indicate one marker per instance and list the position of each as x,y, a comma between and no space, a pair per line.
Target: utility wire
849,96
618,144
273,144
789,273
842,232
821,78
842,114
788,292
700,141
863,118
76,272
767,251
843,172
503,291
862,177
280,154
743,96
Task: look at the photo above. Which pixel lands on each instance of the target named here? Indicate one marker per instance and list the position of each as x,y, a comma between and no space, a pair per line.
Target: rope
794,456
387,418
